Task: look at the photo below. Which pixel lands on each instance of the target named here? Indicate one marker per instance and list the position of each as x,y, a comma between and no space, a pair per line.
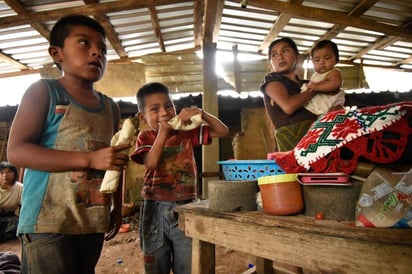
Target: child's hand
187,113
311,86
109,158
164,127
193,122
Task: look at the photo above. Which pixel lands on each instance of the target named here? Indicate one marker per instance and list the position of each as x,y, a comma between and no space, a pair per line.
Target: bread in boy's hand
176,122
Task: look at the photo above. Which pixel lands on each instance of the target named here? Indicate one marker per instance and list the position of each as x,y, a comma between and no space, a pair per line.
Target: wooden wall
182,72
122,79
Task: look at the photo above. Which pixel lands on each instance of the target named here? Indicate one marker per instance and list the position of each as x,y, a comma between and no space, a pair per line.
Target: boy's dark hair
286,40
148,89
324,44
62,27
8,165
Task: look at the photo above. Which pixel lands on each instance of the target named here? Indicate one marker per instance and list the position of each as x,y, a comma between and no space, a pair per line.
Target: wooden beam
334,17
183,51
198,12
218,22
277,27
40,28
380,43
156,28
210,32
19,73
90,9
236,70
358,10
19,9
405,61
8,59
111,35
210,153
110,32
362,7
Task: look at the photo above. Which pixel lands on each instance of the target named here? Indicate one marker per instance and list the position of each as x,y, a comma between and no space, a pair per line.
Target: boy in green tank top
61,136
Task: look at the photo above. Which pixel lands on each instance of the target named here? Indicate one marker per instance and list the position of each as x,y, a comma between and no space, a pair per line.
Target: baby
326,81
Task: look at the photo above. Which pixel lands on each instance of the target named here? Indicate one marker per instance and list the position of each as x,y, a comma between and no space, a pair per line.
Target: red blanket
337,140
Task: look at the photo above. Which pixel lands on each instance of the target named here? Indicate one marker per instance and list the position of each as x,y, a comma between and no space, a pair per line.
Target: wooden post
200,251
210,153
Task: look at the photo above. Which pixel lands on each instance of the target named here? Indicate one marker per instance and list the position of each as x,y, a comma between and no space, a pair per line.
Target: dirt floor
123,255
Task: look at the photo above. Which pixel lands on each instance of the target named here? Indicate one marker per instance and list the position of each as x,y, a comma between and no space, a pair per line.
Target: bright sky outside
378,80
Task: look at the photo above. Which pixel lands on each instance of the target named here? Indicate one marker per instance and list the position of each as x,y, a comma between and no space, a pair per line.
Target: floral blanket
337,140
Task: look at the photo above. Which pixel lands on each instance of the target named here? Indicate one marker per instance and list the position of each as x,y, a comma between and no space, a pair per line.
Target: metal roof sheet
374,32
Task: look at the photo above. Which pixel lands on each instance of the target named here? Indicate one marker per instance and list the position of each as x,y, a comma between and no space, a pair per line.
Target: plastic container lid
281,178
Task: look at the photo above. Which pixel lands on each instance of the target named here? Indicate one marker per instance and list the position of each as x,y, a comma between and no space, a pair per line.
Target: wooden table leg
203,257
264,266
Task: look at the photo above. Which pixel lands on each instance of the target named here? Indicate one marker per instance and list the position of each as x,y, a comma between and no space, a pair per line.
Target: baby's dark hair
4,165
286,40
324,44
148,89
62,27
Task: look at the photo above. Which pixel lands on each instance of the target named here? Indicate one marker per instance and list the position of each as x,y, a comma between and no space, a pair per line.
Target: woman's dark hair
8,165
149,89
287,40
324,44
61,29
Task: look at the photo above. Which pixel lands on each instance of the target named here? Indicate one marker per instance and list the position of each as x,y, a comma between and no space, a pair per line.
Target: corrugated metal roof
375,32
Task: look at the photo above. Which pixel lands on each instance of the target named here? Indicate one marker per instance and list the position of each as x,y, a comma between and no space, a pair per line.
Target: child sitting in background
326,81
10,196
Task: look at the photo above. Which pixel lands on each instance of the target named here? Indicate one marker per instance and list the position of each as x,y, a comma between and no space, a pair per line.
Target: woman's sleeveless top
275,113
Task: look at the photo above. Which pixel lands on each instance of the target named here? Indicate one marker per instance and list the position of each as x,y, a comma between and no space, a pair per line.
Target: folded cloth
336,141
125,135
176,122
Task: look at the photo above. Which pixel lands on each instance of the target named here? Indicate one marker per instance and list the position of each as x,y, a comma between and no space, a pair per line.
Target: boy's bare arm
153,158
218,128
331,83
24,149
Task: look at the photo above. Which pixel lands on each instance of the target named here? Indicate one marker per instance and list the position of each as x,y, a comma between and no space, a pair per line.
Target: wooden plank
201,250
264,266
173,70
323,249
303,224
167,58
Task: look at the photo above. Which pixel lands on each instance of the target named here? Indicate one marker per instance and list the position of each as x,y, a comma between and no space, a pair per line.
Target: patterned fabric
175,178
288,136
337,140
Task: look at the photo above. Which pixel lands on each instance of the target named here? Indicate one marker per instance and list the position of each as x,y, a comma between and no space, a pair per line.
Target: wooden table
326,246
